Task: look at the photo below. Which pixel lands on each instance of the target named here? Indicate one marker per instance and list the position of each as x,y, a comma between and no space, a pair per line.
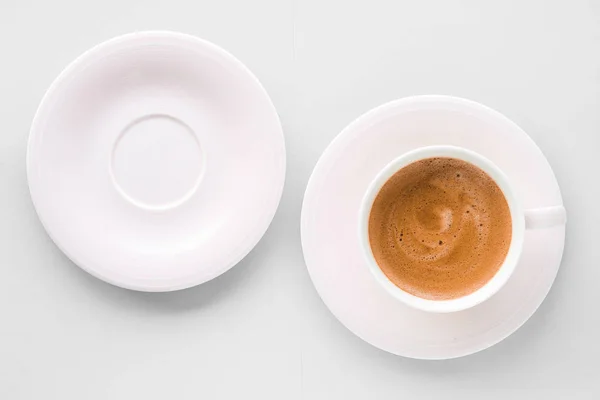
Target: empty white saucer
330,217
156,161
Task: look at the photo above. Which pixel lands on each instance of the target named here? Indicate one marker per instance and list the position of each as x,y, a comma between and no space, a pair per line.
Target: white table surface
260,330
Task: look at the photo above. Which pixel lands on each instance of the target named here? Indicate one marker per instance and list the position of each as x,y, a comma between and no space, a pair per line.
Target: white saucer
156,161
330,225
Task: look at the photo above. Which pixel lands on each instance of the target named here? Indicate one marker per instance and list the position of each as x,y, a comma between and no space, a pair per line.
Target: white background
260,330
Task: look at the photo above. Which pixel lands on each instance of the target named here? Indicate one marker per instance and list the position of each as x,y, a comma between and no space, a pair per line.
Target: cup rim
510,261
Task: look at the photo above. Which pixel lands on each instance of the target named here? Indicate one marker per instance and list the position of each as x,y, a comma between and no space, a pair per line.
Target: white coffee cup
521,220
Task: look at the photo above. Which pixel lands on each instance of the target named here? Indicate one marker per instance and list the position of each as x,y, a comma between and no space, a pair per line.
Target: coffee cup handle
545,217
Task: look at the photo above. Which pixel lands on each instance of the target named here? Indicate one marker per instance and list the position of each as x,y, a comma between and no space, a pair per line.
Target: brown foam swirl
440,228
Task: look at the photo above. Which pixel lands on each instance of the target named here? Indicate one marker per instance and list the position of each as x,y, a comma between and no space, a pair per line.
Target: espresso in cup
440,228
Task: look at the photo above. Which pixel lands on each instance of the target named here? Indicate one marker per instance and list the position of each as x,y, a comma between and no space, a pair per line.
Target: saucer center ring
157,162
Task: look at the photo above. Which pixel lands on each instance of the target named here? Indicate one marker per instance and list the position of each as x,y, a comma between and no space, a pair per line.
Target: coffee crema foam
440,228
